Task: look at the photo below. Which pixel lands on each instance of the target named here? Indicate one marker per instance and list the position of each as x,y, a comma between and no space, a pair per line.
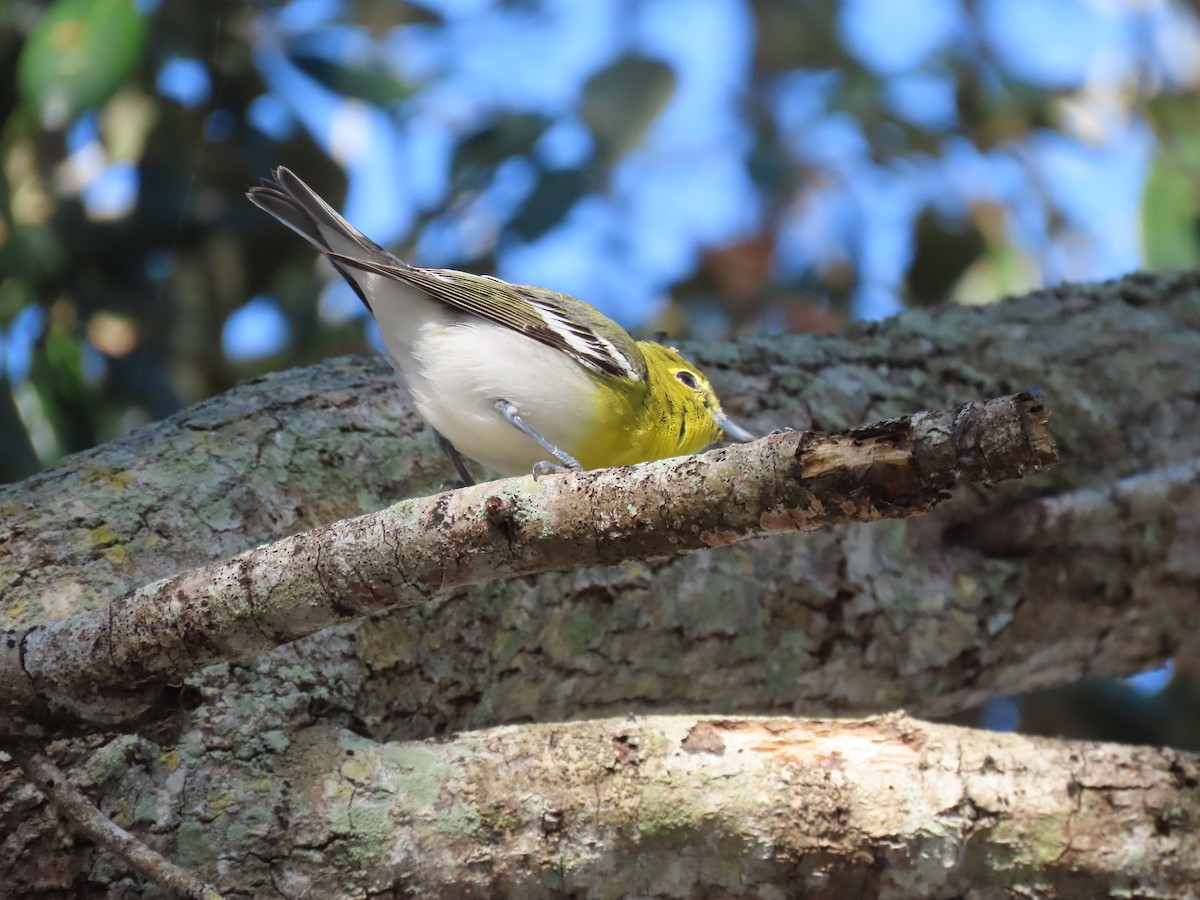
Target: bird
520,379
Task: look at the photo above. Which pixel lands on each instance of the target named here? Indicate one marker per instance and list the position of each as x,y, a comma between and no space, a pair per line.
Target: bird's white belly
459,370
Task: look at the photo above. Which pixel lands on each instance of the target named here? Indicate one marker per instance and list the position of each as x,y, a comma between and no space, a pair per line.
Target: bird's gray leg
565,460
455,457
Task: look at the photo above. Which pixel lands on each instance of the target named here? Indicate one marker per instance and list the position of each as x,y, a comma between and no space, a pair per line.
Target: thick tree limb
275,456
103,831
420,549
682,807
1072,518
296,449
861,618
781,625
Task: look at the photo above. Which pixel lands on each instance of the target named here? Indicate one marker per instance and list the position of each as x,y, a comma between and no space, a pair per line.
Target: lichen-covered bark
88,822
296,449
274,456
658,807
863,617
93,666
857,619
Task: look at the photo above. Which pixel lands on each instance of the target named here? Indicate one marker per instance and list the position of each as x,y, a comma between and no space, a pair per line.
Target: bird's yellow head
687,412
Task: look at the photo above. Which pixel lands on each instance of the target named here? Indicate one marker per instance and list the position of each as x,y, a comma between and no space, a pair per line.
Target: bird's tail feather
301,209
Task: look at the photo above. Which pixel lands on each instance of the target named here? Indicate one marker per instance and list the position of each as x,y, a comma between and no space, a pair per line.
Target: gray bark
107,667
932,614
665,807
857,619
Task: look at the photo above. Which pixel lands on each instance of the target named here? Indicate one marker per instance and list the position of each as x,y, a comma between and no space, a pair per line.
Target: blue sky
685,187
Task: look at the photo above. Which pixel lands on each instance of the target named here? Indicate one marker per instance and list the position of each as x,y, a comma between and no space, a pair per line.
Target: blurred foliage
621,102
115,310
77,56
126,244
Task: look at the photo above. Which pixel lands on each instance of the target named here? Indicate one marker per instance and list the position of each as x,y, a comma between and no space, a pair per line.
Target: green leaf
369,81
945,250
513,135
621,102
13,298
79,53
381,17
1001,270
795,35
553,198
1169,218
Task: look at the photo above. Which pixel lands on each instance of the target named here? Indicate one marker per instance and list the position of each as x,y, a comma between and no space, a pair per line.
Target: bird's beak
733,432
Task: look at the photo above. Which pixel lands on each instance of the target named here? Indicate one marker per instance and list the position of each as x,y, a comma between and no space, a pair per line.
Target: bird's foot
546,467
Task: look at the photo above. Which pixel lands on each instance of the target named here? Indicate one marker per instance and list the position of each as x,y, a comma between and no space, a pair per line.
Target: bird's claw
546,467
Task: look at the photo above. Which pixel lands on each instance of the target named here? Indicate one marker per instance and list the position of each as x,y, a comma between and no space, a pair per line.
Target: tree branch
1073,518
786,625
94,665
686,806
860,618
103,831
292,450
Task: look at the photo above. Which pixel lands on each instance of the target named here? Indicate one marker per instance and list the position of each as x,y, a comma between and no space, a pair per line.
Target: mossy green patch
16,612
235,835
259,817
1046,839
357,769
568,632
190,747
505,647
663,819
383,642
192,846
219,514
418,773
499,818
458,819
146,810
750,644
122,813
275,740
220,801
107,479
103,536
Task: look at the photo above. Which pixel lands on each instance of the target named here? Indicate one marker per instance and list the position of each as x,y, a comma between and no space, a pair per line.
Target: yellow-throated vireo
508,374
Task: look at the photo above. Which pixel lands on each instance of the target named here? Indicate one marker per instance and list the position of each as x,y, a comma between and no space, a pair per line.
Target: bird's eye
687,378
